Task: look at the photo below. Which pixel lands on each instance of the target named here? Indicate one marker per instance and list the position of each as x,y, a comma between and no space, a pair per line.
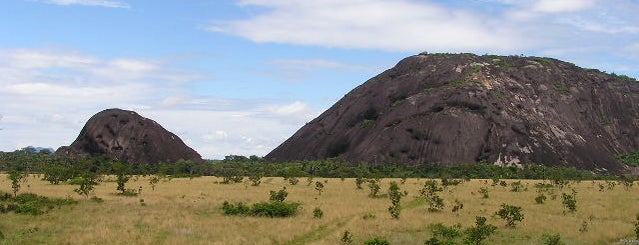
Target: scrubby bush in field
511,214
29,203
318,213
516,186
255,179
347,237
376,241
309,181
429,191
56,174
154,180
278,196
373,185
480,232
569,201
86,184
359,181
551,239
319,187
540,199
444,235
450,182
16,178
484,192
292,180
395,196
274,209
457,207
238,208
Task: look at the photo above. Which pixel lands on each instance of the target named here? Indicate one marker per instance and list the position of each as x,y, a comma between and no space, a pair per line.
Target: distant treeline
64,168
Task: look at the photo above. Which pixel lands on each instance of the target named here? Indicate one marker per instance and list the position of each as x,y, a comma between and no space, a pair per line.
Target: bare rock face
450,109
127,136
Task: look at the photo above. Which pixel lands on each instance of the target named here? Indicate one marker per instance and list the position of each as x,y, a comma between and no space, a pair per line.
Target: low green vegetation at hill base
57,169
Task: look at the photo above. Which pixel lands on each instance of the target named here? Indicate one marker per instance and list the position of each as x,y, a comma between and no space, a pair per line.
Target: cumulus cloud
372,24
47,96
96,3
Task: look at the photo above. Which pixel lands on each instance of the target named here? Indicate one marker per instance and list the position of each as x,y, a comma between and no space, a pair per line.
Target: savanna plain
189,211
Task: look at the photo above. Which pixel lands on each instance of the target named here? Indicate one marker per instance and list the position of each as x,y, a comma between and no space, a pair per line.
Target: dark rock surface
127,136
463,108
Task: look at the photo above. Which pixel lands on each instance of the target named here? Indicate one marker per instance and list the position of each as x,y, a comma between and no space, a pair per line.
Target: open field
188,211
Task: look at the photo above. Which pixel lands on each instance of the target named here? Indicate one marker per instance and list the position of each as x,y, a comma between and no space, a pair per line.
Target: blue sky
239,77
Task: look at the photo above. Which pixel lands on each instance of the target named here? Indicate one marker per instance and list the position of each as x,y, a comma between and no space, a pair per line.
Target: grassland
187,211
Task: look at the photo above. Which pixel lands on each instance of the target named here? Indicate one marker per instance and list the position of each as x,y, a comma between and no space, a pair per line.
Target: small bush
238,208
540,199
511,214
318,213
274,209
376,241
279,196
480,232
347,237
444,235
368,216
516,186
484,192
569,202
293,180
358,182
319,187
373,185
450,182
551,239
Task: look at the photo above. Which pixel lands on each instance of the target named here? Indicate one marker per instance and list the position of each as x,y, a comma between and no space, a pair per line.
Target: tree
373,185
511,214
279,196
16,177
480,232
87,183
429,191
154,180
395,196
569,201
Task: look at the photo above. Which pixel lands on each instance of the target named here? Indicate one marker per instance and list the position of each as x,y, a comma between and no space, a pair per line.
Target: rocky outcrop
463,108
127,136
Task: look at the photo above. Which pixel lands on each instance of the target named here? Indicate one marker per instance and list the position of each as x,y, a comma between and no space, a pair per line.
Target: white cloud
372,24
96,3
47,96
557,6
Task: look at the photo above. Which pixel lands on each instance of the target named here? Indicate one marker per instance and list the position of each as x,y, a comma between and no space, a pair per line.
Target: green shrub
540,199
516,186
347,237
569,201
274,209
551,239
238,208
368,216
293,180
373,185
376,241
395,196
278,196
450,182
480,232
318,213
319,186
444,235
511,214
358,182
484,192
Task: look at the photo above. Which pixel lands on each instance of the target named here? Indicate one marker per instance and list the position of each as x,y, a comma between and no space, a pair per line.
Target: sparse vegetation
511,214
395,195
480,232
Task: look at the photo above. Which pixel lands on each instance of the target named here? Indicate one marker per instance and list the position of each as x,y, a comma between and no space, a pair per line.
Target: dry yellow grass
187,211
